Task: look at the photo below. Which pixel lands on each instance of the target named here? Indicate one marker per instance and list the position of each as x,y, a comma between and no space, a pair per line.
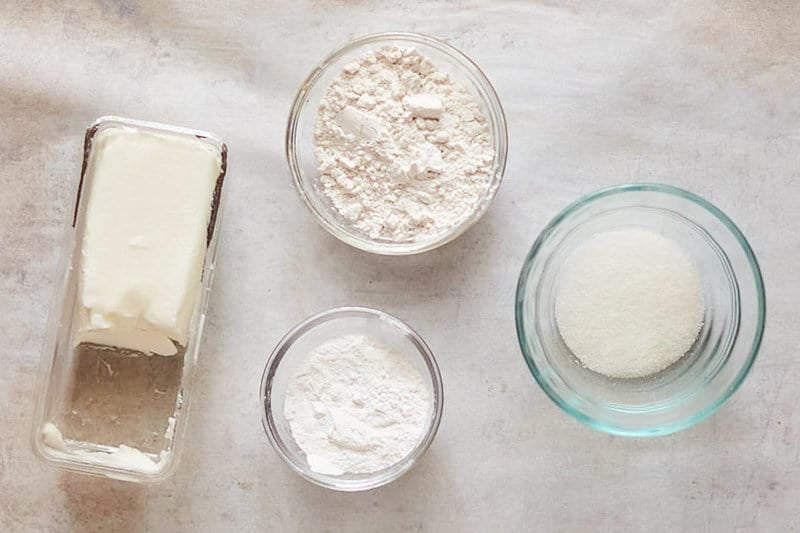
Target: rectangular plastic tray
103,398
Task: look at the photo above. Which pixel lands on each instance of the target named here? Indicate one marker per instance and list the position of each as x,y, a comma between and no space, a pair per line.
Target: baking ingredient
404,152
356,406
144,242
122,457
169,433
52,437
630,303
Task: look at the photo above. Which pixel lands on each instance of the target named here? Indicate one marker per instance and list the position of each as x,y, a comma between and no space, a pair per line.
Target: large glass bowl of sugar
717,361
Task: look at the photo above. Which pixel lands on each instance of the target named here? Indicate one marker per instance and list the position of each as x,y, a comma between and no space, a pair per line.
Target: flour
630,303
356,406
404,152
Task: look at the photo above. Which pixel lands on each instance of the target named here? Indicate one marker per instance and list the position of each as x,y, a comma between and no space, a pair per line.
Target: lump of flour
404,152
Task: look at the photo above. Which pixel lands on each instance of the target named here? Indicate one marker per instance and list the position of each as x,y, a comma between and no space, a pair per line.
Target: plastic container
300,137
292,350
102,398
694,386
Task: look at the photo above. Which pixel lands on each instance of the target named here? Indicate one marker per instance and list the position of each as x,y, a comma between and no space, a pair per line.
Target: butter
123,457
51,436
144,240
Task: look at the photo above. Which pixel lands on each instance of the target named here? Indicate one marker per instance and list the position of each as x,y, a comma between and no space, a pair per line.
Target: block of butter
150,200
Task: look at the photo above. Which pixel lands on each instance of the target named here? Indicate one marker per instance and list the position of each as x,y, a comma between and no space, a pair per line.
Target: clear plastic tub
111,412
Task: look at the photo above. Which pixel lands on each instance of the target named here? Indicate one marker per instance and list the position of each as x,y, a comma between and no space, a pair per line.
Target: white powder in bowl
630,303
356,406
404,152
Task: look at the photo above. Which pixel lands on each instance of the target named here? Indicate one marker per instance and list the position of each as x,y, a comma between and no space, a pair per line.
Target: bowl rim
491,101
369,481
545,235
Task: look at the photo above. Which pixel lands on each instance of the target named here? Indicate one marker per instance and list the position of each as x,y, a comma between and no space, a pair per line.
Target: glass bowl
291,352
300,137
694,386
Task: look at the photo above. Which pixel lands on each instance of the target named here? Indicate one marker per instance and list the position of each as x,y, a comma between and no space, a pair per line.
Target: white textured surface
700,94
141,256
389,172
356,406
629,303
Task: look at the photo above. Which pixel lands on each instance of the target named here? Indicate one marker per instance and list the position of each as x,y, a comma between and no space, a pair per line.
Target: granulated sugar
630,303
404,152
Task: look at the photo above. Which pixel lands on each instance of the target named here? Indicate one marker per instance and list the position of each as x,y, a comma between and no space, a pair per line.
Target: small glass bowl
291,352
300,137
697,384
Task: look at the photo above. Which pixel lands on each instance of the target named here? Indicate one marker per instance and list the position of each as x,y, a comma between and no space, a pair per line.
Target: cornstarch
404,152
356,406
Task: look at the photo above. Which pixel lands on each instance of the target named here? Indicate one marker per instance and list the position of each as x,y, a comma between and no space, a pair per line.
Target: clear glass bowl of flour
291,356
304,165
695,385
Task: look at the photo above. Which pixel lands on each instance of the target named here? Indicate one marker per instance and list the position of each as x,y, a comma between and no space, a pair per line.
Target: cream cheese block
144,239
